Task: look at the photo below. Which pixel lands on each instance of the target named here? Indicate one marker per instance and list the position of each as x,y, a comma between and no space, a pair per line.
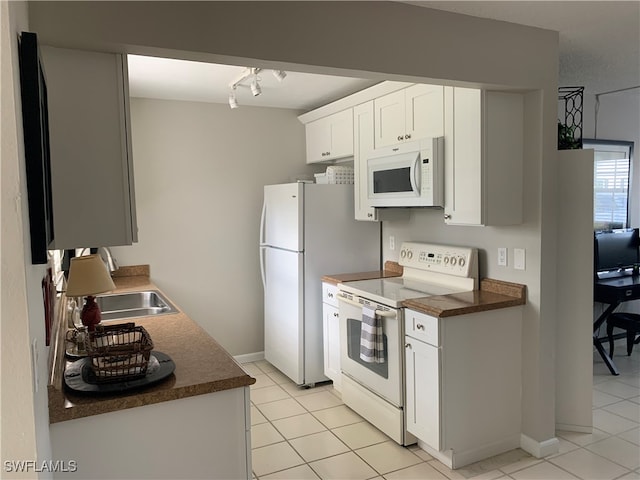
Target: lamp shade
88,275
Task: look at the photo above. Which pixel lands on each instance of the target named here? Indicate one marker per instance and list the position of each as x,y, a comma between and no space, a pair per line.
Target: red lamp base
90,314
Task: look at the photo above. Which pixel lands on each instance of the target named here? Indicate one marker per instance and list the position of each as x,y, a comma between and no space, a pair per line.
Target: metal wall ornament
570,126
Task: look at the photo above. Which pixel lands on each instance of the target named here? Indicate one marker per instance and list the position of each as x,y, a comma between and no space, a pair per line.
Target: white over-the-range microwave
407,175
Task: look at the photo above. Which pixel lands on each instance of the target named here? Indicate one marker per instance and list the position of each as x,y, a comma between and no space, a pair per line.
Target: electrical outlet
502,257
392,242
519,256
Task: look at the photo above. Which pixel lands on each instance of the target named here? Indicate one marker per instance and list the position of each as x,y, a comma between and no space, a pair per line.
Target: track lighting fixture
255,86
279,74
256,89
233,103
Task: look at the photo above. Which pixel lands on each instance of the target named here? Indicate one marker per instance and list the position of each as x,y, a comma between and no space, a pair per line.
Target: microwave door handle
415,175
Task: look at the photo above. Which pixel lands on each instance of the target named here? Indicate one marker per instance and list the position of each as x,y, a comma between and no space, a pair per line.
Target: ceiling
599,49
171,79
599,40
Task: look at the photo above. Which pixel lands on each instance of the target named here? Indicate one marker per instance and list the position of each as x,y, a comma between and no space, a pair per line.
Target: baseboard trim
460,459
539,449
567,427
249,357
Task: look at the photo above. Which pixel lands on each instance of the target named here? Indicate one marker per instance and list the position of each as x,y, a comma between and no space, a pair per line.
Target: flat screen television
35,122
616,250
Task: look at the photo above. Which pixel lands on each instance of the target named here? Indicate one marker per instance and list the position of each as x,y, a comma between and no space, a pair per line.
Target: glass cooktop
392,291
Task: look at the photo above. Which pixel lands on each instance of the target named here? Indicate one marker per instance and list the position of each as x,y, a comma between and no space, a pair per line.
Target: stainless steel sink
119,306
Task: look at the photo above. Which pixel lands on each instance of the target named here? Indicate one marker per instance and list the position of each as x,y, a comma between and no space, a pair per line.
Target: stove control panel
451,260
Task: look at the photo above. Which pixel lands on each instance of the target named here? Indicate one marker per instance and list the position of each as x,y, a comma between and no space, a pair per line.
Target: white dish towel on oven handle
371,336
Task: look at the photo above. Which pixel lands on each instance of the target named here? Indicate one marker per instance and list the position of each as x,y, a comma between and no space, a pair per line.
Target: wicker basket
118,352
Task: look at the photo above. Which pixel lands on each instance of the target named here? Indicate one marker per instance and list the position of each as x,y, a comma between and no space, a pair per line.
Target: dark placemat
80,378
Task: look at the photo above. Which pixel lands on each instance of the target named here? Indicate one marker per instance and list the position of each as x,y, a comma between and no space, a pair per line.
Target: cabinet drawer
330,294
421,326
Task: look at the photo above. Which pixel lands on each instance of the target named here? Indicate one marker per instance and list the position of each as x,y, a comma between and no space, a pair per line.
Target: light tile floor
309,434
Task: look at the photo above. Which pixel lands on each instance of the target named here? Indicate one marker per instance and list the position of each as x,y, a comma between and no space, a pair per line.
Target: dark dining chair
625,321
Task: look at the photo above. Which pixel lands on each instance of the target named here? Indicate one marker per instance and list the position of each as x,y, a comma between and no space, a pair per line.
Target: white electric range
376,390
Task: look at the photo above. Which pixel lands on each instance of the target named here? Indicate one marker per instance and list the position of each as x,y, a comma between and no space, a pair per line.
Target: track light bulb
255,87
233,103
279,74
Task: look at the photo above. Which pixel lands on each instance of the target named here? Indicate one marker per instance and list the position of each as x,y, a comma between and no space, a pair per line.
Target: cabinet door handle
407,136
419,326
400,137
335,314
330,295
447,216
407,345
370,215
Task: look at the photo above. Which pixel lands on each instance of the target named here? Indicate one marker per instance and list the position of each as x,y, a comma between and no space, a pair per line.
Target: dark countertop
202,365
493,294
391,269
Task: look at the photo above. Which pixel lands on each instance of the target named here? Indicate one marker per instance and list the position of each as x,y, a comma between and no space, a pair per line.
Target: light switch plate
502,257
519,262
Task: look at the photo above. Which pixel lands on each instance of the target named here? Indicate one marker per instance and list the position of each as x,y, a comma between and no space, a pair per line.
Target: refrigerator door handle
264,280
262,221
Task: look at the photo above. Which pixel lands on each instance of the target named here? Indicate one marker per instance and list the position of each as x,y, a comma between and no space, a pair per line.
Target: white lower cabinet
203,436
331,331
423,391
463,383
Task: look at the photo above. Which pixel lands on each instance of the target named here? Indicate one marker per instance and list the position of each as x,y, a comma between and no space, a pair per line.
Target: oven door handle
381,313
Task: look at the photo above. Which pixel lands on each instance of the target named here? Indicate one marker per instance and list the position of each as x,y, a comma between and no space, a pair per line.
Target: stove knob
403,253
453,261
409,254
462,261
446,260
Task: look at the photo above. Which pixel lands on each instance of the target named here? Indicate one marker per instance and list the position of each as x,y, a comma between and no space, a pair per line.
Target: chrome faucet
107,258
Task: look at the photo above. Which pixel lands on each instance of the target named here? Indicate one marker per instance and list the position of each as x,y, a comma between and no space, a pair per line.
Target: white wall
575,290
418,44
199,172
25,415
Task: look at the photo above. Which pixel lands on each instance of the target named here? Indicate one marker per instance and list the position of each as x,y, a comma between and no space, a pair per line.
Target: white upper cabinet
483,157
91,164
410,114
363,146
330,137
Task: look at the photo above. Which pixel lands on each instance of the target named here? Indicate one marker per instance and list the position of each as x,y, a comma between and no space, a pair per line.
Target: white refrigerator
307,230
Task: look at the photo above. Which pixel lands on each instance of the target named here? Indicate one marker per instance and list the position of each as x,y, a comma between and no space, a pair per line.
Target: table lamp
89,276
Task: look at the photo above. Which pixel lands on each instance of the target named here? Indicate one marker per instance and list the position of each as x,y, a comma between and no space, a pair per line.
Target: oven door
383,379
